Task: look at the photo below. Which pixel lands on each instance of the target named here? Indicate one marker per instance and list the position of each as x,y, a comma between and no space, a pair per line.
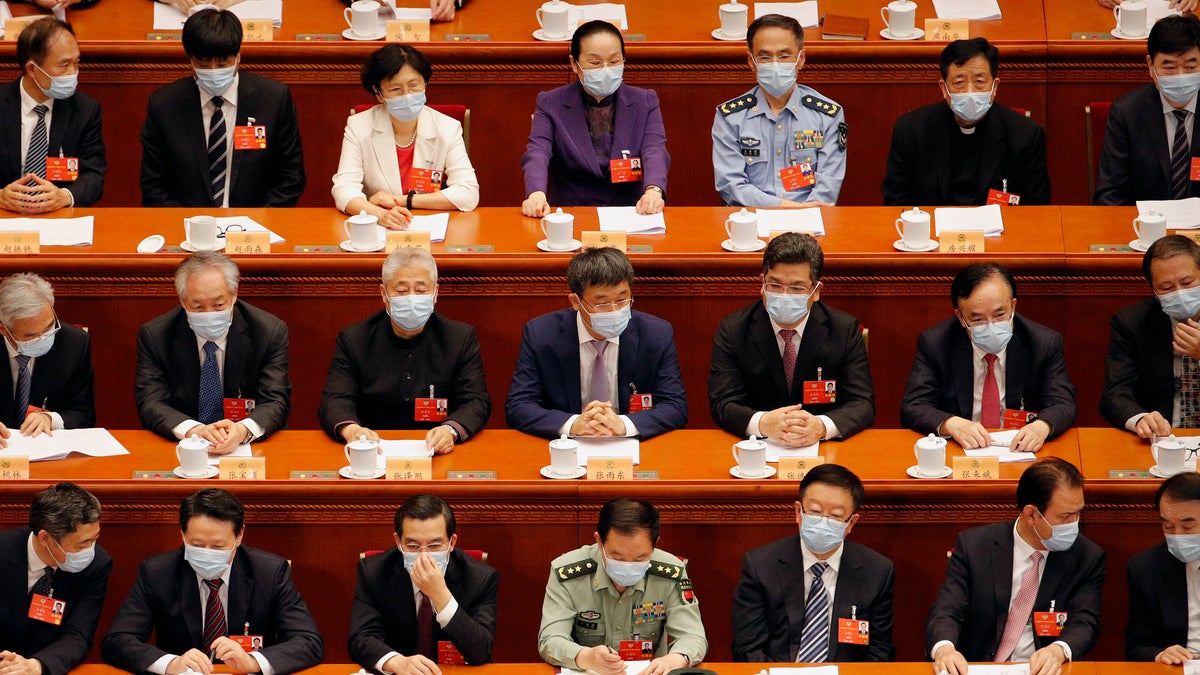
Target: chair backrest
459,112
1023,111
481,556
1095,116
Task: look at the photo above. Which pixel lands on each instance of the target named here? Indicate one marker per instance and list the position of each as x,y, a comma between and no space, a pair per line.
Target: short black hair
1168,247
839,477
1173,35
959,52
594,27
214,503
774,21
1182,487
424,507
34,40
794,248
969,278
61,509
1042,478
212,34
628,516
388,60
604,266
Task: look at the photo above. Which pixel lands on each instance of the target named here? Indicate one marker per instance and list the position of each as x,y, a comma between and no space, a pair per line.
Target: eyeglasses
781,289
981,323
785,59
53,329
596,63
392,92
823,516
606,307
419,548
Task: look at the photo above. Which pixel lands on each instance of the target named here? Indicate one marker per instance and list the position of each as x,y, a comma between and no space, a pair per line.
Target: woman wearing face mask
401,155
601,140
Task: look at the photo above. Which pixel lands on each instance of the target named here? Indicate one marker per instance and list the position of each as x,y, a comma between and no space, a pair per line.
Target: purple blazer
560,146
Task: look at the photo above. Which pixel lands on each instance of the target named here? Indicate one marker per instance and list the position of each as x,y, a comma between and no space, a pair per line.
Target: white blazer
368,163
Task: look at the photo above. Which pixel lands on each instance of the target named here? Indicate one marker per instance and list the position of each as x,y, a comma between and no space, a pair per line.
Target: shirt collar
27,102
219,341
230,95
764,108
32,559
586,337
834,561
1021,548
1167,108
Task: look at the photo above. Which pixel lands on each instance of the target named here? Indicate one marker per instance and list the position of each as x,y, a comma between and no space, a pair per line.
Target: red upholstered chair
1023,111
459,112
1095,116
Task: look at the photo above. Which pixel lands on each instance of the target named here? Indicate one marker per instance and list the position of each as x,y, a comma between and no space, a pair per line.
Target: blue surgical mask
38,346
1179,89
61,86
610,324
1185,547
1182,304
971,107
601,82
625,573
209,563
406,107
442,558
993,337
410,312
211,325
821,535
1062,537
777,78
786,309
76,561
215,81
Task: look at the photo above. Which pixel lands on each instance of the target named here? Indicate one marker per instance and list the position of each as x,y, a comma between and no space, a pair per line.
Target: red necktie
789,355
214,614
989,411
425,645
1021,609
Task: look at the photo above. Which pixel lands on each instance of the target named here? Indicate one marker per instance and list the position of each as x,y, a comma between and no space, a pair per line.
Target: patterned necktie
1189,394
21,395
43,585
39,144
216,152
789,355
211,398
1021,610
425,645
989,408
814,640
598,390
1181,156
214,614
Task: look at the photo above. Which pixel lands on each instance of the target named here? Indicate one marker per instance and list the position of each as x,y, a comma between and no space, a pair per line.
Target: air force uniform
751,146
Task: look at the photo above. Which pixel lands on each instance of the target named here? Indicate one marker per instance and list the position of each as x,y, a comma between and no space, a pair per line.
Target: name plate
1190,234
947,30
597,239
257,30
409,468
408,30
794,468
976,468
20,243
14,468
15,24
961,242
242,468
405,238
610,468
247,243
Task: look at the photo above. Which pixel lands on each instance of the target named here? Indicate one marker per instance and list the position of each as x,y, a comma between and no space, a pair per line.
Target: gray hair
409,256
203,261
61,509
24,296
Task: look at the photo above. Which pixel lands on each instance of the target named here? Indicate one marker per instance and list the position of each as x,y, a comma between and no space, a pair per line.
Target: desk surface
1080,668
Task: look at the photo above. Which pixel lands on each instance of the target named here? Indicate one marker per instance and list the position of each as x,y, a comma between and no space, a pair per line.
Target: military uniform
751,145
582,609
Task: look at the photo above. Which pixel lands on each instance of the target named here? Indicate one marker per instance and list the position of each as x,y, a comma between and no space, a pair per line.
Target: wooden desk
913,668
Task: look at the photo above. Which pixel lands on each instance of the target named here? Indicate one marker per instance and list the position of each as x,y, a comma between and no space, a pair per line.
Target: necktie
1021,609
210,386
1181,156
21,395
425,645
42,586
789,355
216,152
989,409
214,614
599,391
39,144
1189,394
814,640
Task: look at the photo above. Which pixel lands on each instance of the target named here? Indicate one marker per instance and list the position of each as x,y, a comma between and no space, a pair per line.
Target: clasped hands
598,419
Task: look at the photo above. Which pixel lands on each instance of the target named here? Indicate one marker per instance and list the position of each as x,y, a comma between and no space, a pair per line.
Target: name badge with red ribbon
625,170
639,402
448,654
238,409
1049,624
1016,419
854,632
637,650
1195,168
249,643
820,390
798,176
250,137
1003,198
46,609
425,181
62,169
431,409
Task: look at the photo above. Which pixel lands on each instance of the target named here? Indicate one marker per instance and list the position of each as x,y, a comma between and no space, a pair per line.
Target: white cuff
68,191
256,431
1065,647
159,667
263,664
183,427
936,646
443,617
386,657
56,421
565,429
1131,423
752,428
831,430
630,427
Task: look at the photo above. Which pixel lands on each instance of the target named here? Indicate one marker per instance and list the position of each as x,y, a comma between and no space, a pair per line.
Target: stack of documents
249,225
240,451
1157,9
631,668
169,17
90,442
627,219
611,12
790,220
411,449
985,219
608,447
804,12
776,451
979,10
1181,214
53,231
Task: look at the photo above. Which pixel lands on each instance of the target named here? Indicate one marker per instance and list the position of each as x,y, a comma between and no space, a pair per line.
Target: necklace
410,142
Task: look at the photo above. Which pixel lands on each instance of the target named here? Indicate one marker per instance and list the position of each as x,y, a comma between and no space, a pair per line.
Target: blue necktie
21,399
211,398
814,641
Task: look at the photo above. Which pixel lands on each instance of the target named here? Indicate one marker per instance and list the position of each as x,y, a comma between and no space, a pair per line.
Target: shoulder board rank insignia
821,105
666,570
735,104
685,588
576,569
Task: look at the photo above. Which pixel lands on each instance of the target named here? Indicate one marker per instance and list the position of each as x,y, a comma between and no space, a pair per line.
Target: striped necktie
1181,155
217,151
814,640
39,144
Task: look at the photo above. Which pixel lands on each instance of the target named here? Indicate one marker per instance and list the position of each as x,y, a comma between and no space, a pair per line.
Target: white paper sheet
400,449
4,13
608,447
607,11
777,450
631,668
986,219
798,670
1157,9
91,442
627,219
1002,454
413,13
804,12
436,225
1181,214
980,10
169,17
248,225
999,669
242,450
54,231
790,220
1191,668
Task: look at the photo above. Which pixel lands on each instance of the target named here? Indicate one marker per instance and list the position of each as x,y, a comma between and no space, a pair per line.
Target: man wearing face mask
1149,145
200,143
1040,564
48,123
213,367
968,150
207,601
450,610
49,363
62,564
605,599
434,360
598,368
781,144
842,581
1152,374
988,367
788,367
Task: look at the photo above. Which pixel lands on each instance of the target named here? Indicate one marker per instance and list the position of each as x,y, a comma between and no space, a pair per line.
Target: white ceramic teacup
362,454
564,456
900,17
931,455
192,453
363,231
742,229
733,19
552,17
1150,228
559,229
201,232
363,17
751,456
1131,18
1169,453
913,228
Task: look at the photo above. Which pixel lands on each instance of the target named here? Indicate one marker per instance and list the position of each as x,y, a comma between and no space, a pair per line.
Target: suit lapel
61,119
1016,363
626,361
188,589
45,374
241,589
187,362
568,341
6,389
1172,593
941,151
962,360
247,103
624,122
16,588
1155,122
575,121
815,335
791,566
188,110
845,595
1002,569
237,346
994,149
10,131
384,143
1057,566
766,345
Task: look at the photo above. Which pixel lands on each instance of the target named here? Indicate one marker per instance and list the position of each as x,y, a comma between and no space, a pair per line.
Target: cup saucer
917,34
349,34
1156,471
930,245
192,248
913,472
1116,32
1137,245
348,247
544,245
719,34
345,472
759,245
547,473
540,35
209,472
736,472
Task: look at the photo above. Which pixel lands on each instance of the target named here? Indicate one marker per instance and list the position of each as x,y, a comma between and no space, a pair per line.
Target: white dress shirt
831,430
229,111
442,617
36,567
980,374
828,577
181,430
587,356
1173,122
13,369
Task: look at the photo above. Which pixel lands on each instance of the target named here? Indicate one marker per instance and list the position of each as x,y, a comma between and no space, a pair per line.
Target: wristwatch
453,432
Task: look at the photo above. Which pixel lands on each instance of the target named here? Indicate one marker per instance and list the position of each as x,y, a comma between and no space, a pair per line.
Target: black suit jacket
1139,373
74,130
165,600
1013,148
384,616
175,147
972,605
168,369
746,374
1136,160
59,648
445,355
941,382
62,381
1158,604
768,603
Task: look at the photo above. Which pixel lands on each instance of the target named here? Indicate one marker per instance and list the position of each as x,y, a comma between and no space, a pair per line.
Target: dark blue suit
545,389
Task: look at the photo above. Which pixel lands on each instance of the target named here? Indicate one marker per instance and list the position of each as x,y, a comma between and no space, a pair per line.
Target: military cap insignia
843,132
665,570
821,105
685,588
576,569
735,104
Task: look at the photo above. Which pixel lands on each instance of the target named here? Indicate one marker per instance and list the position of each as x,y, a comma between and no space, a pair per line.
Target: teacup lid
915,213
363,218
559,217
362,443
193,442
553,4
1171,443
752,443
931,441
564,441
743,216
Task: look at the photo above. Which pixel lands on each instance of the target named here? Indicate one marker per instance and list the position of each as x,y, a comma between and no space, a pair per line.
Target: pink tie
789,355
1021,610
989,410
